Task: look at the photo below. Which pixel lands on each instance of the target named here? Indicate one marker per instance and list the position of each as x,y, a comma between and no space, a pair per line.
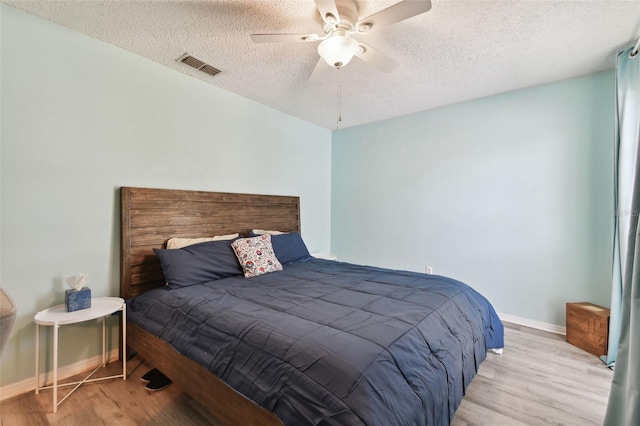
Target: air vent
198,64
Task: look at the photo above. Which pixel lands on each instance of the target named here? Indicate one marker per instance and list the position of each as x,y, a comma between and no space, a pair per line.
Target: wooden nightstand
588,327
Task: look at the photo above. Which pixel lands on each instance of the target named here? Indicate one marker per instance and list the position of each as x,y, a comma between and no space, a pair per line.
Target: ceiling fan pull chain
339,98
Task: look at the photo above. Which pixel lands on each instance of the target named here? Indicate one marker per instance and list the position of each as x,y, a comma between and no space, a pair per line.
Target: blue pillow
289,247
198,263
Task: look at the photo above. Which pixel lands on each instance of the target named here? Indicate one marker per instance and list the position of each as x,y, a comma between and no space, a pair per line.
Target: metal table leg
55,367
37,358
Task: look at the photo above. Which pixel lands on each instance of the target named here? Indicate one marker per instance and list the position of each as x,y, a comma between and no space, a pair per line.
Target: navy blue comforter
331,343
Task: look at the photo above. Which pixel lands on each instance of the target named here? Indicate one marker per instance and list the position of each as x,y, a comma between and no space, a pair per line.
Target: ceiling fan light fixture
338,50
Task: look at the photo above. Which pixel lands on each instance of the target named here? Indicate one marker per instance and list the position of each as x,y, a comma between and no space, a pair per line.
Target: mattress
332,343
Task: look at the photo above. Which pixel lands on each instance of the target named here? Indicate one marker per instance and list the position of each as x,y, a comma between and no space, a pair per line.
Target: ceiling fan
341,24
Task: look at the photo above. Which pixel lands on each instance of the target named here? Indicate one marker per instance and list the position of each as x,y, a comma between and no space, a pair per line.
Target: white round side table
101,307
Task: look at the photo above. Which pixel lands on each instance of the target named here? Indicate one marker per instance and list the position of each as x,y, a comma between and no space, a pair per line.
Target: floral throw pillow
256,255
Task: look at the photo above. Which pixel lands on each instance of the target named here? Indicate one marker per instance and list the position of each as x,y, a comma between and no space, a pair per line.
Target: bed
319,342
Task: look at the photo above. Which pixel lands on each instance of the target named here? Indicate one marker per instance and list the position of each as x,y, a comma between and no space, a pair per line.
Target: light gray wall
81,118
508,193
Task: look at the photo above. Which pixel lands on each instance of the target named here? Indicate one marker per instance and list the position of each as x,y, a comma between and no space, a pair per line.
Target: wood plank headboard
151,216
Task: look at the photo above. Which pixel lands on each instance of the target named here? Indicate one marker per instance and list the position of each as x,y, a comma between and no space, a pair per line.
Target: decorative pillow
256,255
176,243
198,263
289,247
263,232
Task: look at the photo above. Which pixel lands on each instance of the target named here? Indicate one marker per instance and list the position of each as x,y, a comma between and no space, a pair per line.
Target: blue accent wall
509,193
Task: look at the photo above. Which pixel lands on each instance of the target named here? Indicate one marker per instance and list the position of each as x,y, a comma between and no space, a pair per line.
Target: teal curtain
624,347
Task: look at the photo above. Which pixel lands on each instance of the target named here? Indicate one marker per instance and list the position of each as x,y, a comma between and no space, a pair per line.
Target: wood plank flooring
539,380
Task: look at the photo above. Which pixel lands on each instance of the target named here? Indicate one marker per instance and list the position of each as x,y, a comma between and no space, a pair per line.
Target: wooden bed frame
149,218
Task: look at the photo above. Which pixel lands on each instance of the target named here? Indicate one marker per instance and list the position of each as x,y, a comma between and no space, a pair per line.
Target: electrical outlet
428,269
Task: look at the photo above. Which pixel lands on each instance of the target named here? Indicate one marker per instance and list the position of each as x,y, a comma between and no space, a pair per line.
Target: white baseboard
23,386
557,329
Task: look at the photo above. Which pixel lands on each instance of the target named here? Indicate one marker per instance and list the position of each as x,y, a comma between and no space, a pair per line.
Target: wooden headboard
151,216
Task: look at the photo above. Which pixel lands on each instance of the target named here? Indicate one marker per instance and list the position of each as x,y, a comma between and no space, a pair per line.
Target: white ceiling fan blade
400,11
376,58
328,11
283,38
319,71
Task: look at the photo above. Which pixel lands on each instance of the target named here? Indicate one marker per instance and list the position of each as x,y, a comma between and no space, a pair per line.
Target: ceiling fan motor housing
348,12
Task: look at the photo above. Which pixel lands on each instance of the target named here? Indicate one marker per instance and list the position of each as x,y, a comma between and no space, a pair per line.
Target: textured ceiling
460,50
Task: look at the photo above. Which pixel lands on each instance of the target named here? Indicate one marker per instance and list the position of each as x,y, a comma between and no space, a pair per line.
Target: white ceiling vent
198,64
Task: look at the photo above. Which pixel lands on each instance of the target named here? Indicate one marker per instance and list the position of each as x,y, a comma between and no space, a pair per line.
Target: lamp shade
338,50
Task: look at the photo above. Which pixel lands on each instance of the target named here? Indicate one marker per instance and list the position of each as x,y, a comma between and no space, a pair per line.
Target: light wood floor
539,380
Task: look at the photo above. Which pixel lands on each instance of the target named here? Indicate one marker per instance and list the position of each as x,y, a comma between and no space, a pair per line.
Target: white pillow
176,243
263,232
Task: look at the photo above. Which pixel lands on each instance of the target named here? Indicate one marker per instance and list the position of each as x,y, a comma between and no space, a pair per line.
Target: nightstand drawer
588,327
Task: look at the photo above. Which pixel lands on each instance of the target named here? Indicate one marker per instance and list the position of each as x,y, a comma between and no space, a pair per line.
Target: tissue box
77,299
